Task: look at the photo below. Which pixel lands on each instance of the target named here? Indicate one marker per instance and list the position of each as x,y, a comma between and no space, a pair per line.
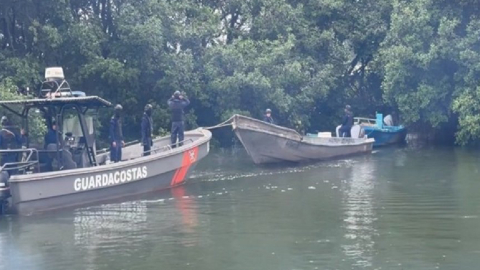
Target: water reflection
95,226
395,209
187,209
129,229
358,207
111,223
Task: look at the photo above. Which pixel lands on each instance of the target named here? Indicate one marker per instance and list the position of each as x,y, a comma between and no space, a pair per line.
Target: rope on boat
228,122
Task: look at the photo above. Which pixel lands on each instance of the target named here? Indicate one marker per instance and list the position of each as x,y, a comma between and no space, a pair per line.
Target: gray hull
162,170
266,143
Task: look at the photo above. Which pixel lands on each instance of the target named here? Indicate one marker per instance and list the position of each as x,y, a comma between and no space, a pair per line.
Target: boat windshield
71,124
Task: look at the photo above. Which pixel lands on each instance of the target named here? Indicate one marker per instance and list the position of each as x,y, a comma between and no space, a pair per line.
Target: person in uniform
147,129
177,104
347,122
268,116
51,136
116,135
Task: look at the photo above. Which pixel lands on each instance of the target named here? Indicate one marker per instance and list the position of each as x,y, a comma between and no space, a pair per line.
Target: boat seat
67,158
68,162
356,131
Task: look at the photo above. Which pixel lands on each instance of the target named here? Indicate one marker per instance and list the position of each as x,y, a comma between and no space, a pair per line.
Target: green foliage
304,59
37,127
467,101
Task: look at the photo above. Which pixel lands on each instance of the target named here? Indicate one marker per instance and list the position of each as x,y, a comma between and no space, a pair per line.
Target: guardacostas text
110,179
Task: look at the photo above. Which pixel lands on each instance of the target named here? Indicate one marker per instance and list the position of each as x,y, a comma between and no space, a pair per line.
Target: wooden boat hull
162,170
266,143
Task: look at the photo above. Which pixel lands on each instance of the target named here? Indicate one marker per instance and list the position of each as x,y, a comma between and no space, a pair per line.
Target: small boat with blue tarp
382,133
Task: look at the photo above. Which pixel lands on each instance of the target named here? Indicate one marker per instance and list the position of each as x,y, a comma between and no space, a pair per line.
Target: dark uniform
177,103
268,117
116,136
50,138
147,129
347,123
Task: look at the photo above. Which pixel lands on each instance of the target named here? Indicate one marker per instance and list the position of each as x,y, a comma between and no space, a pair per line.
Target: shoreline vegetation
304,59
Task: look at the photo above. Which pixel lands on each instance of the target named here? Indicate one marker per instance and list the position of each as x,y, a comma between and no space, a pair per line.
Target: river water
398,208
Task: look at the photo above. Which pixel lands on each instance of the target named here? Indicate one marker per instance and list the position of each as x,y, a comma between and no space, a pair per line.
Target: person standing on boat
51,136
347,122
116,135
268,116
147,128
177,104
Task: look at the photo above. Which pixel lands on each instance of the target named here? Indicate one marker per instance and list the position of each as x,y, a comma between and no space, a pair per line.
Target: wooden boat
81,175
268,143
383,135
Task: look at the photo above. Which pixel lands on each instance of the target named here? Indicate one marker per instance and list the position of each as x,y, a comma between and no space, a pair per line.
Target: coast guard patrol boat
71,172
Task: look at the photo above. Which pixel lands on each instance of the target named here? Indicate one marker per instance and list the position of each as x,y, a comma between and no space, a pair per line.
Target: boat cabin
73,114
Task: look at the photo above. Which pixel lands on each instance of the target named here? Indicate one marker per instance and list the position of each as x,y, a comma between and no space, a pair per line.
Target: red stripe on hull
189,157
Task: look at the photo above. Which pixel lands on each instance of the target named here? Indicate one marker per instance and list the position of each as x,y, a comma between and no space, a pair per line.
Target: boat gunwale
266,123
371,124
205,136
398,130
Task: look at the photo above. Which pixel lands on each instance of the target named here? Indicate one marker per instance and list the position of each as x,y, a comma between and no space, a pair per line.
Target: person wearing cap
147,128
268,116
177,104
347,122
116,135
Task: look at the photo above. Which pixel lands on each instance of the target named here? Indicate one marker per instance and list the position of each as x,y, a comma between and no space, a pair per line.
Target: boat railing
131,143
106,149
156,150
167,147
362,120
252,123
27,161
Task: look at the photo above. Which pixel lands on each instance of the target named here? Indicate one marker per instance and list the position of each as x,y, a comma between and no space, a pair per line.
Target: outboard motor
4,191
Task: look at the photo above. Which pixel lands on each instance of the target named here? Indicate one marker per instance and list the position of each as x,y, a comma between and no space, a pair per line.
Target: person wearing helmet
116,135
347,122
177,104
147,128
268,116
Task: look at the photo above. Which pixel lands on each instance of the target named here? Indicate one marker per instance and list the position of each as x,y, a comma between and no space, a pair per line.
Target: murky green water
395,209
